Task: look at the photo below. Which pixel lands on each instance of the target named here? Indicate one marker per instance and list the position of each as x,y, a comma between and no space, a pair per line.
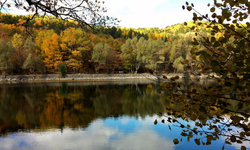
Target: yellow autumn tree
41,36
74,43
52,53
18,42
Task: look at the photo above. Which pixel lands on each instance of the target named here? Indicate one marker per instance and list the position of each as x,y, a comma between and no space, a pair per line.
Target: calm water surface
116,115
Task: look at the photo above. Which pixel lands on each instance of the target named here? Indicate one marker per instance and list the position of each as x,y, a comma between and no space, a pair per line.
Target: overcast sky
153,13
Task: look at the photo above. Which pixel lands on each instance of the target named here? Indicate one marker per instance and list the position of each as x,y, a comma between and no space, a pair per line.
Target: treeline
40,45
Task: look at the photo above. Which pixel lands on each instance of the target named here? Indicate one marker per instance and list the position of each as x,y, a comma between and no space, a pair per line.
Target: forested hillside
40,45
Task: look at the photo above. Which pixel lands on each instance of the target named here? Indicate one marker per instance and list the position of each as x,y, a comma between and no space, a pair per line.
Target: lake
112,115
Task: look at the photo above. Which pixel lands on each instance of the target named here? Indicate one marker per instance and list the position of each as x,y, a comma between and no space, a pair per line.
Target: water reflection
96,137
105,115
32,106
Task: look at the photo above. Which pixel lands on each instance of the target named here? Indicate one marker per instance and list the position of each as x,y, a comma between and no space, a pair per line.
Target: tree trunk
96,69
137,67
106,66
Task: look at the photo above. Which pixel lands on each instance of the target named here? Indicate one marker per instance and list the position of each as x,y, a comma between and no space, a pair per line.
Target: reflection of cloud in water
235,131
125,120
143,139
96,137
238,146
148,121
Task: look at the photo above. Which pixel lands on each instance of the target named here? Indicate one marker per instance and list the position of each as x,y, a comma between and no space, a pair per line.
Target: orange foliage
170,39
51,48
21,22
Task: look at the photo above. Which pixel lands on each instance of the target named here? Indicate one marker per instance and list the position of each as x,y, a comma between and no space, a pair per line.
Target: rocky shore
79,77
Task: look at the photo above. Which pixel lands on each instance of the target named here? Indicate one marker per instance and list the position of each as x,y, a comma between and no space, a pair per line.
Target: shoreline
81,77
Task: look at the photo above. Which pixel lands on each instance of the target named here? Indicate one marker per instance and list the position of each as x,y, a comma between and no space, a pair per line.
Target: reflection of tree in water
63,90
17,107
107,100
136,104
41,107
129,100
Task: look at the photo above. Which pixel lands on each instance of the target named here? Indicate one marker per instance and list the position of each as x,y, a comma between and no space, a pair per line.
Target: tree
18,43
178,64
151,56
52,53
128,54
33,60
140,53
34,63
62,68
39,40
165,54
85,12
100,54
6,53
175,50
73,46
227,63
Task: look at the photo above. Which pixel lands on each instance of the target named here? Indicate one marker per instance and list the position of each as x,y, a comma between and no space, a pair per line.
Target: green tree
33,61
178,64
165,55
100,54
151,56
6,54
34,64
140,53
128,54
175,50
62,68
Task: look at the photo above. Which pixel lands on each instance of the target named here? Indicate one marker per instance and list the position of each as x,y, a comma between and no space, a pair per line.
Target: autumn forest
42,44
